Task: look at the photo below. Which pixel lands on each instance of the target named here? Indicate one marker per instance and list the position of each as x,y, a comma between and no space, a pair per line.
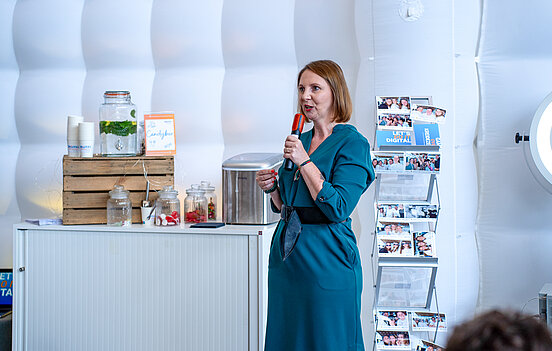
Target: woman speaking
315,275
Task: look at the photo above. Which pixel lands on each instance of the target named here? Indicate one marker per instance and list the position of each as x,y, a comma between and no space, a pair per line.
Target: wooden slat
118,166
87,181
99,200
93,216
97,183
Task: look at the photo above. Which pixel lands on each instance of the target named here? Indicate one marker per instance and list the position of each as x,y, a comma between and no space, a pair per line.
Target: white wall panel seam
481,110
457,203
363,100
9,138
481,28
373,50
474,154
478,170
453,163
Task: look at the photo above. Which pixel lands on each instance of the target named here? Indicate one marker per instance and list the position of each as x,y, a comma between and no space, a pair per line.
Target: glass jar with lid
118,125
195,205
119,207
167,207
211,200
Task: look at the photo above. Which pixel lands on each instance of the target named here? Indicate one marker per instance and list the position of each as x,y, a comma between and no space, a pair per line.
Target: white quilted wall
9,138
513,227
227,68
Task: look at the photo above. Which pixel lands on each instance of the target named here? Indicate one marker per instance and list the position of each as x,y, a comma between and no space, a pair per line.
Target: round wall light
538,144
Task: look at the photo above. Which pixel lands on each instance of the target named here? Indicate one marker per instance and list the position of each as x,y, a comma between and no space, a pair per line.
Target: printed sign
6,285
427,134
159,132
393,137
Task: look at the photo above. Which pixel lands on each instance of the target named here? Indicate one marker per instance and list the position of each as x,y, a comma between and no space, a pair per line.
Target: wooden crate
87,182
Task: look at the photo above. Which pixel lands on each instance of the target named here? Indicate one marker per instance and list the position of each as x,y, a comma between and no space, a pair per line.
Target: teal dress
314,294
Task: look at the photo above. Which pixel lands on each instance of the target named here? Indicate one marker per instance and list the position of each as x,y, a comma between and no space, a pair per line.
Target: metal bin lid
253,161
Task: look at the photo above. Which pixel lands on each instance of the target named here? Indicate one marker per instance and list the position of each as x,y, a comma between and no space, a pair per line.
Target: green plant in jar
118,125
119,128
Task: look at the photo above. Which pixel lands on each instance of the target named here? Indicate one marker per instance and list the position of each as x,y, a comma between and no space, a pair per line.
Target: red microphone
296,129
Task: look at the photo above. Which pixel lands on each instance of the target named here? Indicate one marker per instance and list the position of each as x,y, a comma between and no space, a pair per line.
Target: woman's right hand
266,178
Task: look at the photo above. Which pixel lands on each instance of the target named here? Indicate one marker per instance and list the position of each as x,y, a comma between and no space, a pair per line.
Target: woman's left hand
294,150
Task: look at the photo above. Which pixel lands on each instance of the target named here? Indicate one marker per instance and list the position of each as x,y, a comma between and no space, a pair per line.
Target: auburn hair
342,104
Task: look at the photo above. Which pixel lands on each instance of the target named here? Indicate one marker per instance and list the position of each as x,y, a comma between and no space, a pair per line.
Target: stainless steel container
243,202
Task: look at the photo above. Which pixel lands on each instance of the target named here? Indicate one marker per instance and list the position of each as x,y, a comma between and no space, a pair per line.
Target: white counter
94,287
140,228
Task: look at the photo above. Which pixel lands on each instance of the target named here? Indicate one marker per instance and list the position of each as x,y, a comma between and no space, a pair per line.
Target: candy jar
118,125
195,205
119,207
167,207
211,200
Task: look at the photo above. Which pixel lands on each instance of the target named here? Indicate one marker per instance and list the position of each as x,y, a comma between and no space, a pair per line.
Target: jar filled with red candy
167,207
195,205
211,200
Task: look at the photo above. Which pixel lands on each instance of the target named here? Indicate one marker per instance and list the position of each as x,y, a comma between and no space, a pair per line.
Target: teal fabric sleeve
273,207
350,177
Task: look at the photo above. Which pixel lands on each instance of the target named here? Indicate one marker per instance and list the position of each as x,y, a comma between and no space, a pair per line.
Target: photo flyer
392,340
392,320
423,162
424,244
428,321
428,346
417,162
388,161
393,104
389,107
392,245
394,121
427,113
406,210
398,229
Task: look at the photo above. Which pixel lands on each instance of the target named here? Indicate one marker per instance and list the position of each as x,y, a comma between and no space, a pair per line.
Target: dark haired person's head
501,331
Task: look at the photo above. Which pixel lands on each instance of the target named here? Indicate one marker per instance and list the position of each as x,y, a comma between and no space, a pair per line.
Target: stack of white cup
80,137
73,135
86,139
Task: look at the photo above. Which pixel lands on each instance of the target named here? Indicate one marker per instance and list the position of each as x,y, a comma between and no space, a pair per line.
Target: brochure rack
412,278
404,276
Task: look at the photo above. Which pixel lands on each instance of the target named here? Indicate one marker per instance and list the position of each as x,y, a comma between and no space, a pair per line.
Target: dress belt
307,215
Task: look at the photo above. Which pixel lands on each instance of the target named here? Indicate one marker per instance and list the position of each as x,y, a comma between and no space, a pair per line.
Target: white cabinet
140,288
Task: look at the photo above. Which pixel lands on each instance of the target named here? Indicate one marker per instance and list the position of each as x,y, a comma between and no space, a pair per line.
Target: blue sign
394,137
6,288
427,134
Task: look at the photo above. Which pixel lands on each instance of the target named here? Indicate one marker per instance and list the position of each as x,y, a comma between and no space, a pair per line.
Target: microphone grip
288,163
